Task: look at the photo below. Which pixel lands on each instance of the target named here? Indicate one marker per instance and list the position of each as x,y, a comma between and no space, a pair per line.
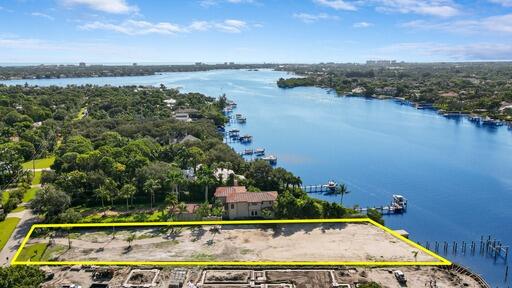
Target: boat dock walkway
316,188
384,210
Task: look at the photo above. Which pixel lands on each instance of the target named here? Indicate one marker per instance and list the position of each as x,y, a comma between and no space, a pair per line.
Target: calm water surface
457,177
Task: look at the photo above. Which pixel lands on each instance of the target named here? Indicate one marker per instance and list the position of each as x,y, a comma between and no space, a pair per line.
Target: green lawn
7,227
132,217
37,178
30,194
39,163
5,197
18,209
40,252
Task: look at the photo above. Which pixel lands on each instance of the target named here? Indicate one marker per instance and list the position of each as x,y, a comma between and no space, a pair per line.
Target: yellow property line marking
442,261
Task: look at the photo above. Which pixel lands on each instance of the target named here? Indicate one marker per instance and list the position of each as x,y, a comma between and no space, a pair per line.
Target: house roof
251,197
226,190
235,194
189,138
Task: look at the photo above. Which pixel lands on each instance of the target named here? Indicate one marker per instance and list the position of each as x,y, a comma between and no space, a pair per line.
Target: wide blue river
457,176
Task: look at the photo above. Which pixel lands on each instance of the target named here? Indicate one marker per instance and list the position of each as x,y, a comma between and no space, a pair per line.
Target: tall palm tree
205,178
127,192
171,201
175,179
341,189
150,187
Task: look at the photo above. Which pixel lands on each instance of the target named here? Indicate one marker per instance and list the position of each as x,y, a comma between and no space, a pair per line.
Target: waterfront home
389,91
189,138
359,90
169,102
185,117
239,203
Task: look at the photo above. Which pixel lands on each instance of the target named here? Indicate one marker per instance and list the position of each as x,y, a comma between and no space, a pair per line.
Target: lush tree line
480,88
21,276
74,71
127,151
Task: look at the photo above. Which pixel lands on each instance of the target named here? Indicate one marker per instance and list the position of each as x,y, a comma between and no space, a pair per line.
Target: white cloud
200,25
230,26
108,6
475,51
136,27
310,18
362,25
20,43
208,3
499,23
506,3
337,4
5,9
441,8
43,15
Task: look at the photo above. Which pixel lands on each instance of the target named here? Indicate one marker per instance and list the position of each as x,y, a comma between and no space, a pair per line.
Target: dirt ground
301,279
416,277
285,242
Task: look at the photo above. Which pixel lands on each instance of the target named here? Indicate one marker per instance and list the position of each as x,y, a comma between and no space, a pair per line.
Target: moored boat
271,159
331,185
259,151
245,139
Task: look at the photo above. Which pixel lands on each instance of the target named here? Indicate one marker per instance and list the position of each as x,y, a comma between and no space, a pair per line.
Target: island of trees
483,89
95,70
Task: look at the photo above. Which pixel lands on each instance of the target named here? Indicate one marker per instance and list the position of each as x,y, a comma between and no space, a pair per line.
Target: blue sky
306,31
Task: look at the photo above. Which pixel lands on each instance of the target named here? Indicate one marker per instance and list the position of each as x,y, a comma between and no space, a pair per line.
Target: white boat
399,202
270,159
331,184
245,139
259,151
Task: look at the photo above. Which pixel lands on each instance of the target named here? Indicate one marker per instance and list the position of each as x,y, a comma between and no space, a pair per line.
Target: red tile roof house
239,204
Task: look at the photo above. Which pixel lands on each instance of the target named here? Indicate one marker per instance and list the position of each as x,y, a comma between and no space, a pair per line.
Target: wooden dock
384,210
316,189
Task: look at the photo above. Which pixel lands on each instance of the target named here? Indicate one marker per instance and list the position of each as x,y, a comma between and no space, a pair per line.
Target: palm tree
175,179
150,187
103,194
127,192
205,178
171,200
182,208
342,190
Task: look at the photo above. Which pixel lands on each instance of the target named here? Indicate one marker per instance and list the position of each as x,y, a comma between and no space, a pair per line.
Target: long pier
316,188
384,210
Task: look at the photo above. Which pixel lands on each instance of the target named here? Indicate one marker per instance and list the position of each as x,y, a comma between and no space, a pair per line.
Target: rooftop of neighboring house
234,194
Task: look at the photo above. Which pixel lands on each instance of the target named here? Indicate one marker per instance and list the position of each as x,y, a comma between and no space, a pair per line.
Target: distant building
170,102
389,91
134,64
181,116
359,90
81,64
380,62
238,203
189,138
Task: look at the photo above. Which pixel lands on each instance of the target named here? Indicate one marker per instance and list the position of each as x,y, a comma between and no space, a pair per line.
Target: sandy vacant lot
284,242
